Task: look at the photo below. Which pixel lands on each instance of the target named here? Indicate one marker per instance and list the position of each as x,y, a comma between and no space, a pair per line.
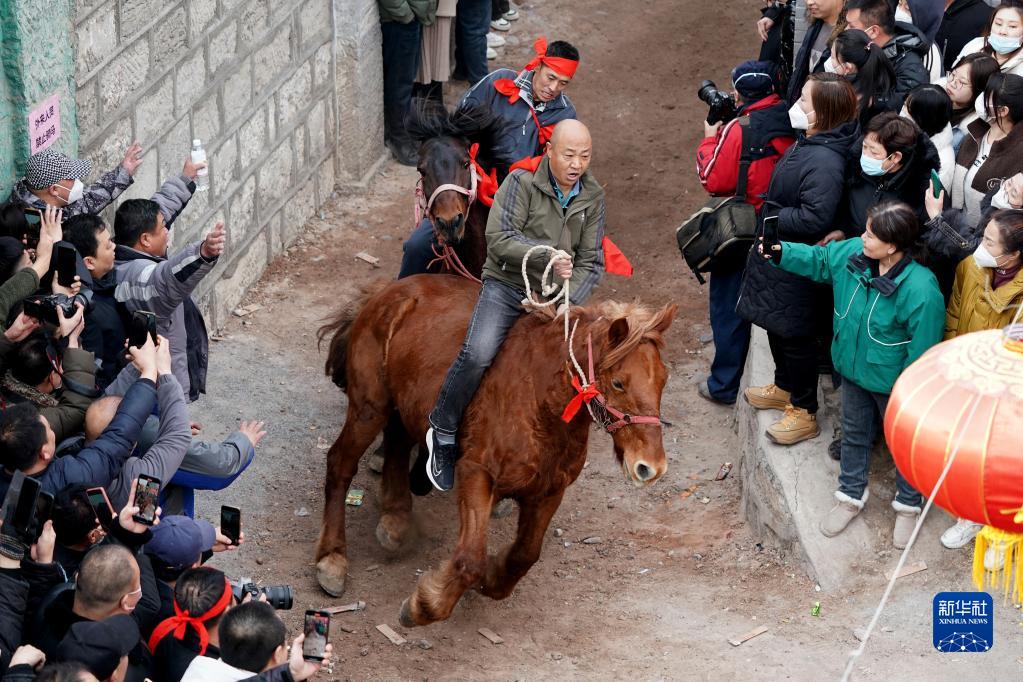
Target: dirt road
676,572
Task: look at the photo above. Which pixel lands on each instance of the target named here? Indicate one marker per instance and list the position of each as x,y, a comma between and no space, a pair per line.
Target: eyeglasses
958,82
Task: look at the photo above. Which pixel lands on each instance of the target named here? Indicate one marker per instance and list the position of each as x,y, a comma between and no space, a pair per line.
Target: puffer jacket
512,134
876,335
806,192
976,306
164,286
908,51
962,20
526,213
404,11
908,184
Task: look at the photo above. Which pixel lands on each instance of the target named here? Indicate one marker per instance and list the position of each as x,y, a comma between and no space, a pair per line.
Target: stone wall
284,94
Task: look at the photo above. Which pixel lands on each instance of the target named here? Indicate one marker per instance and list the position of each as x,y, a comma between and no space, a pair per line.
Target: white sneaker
960,534
500,24
494,40
511,15
994,557
491,53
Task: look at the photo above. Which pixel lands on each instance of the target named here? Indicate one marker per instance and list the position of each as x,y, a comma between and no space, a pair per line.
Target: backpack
725,225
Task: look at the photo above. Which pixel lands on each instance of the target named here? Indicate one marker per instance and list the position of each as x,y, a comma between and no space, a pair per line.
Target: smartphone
101,505
770,233
147,499
142,323
67,264
317,630
231,523
936,187
44,510
33,216
23,516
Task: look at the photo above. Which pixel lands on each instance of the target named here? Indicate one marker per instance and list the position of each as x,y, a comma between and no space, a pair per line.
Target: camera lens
280,597
706,91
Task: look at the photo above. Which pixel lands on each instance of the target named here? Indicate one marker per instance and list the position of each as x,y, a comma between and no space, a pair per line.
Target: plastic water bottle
202,178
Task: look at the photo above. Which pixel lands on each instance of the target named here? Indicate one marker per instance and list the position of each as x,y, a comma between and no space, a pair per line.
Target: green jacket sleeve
588,264
19,287
396,10
68,417
505,239
814,262
925,320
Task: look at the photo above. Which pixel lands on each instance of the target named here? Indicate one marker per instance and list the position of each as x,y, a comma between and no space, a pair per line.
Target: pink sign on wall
44,124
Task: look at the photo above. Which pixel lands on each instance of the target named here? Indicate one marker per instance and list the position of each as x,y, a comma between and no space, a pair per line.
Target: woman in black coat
805,193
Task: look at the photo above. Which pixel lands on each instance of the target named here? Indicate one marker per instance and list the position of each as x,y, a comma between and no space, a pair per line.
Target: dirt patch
676,572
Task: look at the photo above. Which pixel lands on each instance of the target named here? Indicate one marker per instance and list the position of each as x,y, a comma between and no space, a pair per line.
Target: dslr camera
44,308
722,105
281,597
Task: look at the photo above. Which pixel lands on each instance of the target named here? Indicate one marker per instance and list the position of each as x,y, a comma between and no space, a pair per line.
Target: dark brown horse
390,354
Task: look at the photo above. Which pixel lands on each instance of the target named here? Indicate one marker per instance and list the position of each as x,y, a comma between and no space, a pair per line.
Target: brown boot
845,510
795,425
905,522
768,397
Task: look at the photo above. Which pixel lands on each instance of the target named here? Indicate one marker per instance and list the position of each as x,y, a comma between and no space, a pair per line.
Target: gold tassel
1009,575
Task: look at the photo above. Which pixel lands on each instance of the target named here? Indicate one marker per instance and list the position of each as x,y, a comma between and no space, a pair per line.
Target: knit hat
49,167
753,80
99,645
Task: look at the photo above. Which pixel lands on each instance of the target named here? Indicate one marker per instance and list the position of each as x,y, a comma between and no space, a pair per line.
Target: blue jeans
862,416
731,335
401,62
417,251
472,23
497,309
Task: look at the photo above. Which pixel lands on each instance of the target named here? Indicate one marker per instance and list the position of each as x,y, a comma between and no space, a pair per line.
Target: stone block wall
286,96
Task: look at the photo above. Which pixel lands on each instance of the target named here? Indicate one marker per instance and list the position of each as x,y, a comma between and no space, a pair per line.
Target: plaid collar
525,84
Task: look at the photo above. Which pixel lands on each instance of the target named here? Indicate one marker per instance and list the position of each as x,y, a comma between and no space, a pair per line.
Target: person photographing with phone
888,311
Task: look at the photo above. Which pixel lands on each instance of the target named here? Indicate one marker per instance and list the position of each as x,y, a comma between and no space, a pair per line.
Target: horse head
631,378
445,161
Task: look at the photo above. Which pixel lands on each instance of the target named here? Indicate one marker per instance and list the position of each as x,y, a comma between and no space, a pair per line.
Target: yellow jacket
975,306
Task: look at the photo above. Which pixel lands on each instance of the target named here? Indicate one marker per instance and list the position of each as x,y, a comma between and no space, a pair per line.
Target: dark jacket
13,602
907,51
963,21
953,236
404,11
105,330
99,463
512,134
805,193
801,66
173,656
907,184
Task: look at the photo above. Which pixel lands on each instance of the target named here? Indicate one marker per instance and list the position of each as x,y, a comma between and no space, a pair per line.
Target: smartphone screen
231,523
770,231
44,510
25,508
101,505
147,498
67,264
317,629
143,323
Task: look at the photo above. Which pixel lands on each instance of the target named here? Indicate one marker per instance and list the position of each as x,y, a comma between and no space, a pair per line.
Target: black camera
722,105
281,597
44,308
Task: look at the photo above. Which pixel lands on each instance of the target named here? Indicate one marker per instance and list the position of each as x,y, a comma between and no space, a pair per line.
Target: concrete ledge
787,490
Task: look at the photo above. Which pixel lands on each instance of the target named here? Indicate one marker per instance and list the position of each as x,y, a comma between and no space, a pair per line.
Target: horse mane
427,120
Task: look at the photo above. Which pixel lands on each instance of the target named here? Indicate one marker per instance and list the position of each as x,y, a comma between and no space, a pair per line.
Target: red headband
565,67
180,621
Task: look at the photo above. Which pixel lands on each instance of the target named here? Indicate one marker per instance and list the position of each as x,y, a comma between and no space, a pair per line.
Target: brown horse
390,354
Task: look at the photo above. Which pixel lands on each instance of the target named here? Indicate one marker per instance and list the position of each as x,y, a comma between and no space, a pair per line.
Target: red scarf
564,67
179,622
486,183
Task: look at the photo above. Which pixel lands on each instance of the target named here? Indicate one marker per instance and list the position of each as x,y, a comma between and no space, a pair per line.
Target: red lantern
966,395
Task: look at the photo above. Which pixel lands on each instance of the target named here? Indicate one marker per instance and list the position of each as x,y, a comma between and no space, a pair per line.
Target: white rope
912,539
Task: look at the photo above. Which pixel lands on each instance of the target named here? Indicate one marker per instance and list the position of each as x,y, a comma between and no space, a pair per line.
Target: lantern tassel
1010,573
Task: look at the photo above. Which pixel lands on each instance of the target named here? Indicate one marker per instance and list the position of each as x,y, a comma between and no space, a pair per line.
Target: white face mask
76,193
984,259
980,107
903,15
830,66
1001,199
798,118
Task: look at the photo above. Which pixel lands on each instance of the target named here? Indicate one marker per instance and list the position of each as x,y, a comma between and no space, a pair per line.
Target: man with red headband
524,107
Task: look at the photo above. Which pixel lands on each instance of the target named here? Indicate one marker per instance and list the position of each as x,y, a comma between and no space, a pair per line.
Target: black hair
12,220
894,133
874,12
894,222
559,48
22,435
30,363
875,75
134,218
982,67
1016,5
198,589
249,635
11,250
1004,90
931,108
1010,228
80,231
73,515
65,671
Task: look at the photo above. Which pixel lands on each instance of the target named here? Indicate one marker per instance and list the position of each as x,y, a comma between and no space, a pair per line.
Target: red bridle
608,417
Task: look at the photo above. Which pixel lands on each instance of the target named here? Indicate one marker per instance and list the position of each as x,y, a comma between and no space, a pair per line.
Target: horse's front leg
439,590
505,570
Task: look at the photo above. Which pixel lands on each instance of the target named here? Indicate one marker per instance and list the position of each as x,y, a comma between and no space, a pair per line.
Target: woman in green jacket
888,311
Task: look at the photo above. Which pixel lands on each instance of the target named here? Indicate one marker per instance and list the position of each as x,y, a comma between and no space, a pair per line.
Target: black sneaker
440,465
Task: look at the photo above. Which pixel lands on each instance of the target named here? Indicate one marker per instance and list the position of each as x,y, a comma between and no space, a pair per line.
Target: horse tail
339,329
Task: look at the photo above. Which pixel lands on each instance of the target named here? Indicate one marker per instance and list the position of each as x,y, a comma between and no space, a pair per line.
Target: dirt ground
676,572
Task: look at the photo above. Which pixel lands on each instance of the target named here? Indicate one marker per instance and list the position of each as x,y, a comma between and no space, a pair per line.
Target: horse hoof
331,572
503,508
405,615
394,540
